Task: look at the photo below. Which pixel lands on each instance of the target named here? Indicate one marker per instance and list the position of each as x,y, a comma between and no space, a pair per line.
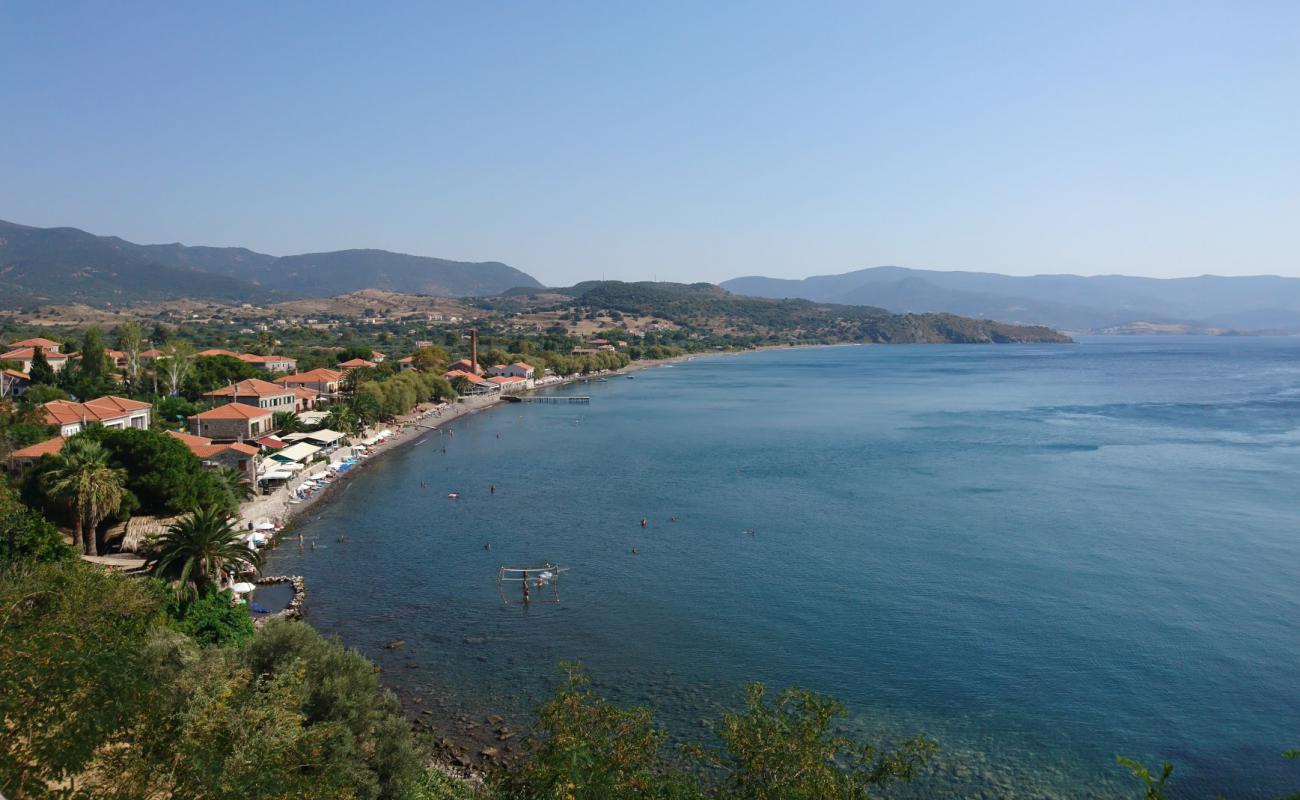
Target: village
281,434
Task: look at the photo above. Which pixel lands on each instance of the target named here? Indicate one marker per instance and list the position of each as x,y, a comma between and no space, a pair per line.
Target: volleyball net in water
529,585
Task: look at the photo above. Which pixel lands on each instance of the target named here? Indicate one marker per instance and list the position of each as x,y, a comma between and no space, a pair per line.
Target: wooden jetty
546,398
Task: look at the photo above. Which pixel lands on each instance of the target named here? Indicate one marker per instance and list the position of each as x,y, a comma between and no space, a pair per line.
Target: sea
1042,556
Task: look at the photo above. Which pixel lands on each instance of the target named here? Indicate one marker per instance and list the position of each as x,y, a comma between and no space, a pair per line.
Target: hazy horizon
671,142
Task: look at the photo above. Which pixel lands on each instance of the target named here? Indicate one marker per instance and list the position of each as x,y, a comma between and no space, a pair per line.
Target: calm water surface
1040,555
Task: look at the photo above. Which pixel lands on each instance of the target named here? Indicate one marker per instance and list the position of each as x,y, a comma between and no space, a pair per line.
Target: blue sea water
1040,555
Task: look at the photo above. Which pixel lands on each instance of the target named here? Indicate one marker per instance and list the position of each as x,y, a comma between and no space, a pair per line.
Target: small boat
631,377
453,495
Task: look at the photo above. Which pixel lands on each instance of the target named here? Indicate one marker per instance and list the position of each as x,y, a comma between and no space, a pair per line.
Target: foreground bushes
101,698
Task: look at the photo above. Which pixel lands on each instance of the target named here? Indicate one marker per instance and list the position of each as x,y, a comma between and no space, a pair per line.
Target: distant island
1102,304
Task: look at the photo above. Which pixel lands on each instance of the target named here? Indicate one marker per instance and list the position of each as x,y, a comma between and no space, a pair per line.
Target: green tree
41,393
286,422
21,425
1154,787
173,365
343,690
25,535
212,619
128,340
162,473
431,359
591,750
94,361
195,549
236,482
73,644
788,750
212,372
41,372
83,482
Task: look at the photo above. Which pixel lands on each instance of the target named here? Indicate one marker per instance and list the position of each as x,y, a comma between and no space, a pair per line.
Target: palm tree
286,422
237,482
87,486
196,548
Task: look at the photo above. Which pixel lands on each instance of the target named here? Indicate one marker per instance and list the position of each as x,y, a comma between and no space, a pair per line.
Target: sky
669,140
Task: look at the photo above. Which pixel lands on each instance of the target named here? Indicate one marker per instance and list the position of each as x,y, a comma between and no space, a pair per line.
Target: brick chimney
473,350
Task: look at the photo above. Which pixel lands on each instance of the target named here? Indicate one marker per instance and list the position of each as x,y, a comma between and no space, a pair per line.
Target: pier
547,399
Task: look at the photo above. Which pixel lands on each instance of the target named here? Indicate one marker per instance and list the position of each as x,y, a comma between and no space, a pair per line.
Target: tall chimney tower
473,349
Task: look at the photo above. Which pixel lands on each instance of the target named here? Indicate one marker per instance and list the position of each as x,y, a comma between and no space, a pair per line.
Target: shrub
214,618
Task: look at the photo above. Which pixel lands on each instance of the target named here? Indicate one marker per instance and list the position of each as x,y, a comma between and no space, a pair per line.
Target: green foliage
161,471
350,352
21,425
343,690
72,669
81,480
431,359
591,750
1154,788
40,393
25,535
41,372
195,549
789,750
94,362
212,618
173,411
286,422
212,372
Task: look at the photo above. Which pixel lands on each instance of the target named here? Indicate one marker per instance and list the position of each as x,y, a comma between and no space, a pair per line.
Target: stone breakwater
295,608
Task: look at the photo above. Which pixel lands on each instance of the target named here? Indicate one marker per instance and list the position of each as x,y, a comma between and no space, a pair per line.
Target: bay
1040,555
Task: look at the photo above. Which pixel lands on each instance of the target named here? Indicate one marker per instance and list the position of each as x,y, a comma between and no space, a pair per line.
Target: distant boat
631,377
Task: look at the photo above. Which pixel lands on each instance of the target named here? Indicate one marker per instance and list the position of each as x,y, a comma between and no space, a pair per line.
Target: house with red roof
509,383
235,455
233,422
356,363
24,355
48,345
272,364
256,392
324,382
516,370
110,411
26,457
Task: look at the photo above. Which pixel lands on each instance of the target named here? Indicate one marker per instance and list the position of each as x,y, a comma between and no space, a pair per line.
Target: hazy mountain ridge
68,265
1068,302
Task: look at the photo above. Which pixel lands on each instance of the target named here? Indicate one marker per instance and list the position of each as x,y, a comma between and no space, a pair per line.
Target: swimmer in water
492,489
644,523
487,545
634,551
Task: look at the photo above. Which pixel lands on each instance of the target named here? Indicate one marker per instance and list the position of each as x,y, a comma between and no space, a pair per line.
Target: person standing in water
492,489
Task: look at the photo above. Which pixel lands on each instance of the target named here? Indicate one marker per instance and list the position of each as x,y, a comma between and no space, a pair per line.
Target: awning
296,452
324,436
276,475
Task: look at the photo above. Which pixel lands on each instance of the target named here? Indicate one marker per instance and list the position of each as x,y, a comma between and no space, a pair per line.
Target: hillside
705,306
66,265
1069,302
42,266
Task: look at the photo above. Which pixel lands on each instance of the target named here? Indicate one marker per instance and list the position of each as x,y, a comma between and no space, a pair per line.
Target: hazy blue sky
687,141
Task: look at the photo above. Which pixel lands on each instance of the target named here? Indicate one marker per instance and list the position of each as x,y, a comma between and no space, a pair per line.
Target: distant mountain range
66,265
1104,303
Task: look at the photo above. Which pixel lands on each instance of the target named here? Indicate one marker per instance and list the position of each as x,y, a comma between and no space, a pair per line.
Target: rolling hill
46,266
1068,302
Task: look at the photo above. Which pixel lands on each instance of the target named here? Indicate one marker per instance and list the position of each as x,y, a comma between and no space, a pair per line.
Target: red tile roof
318,375
47,447
250,387
215,351
272,442
504,379
234,411
101,409
256,359
190,440
357,363
37,342
18,376
28,353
